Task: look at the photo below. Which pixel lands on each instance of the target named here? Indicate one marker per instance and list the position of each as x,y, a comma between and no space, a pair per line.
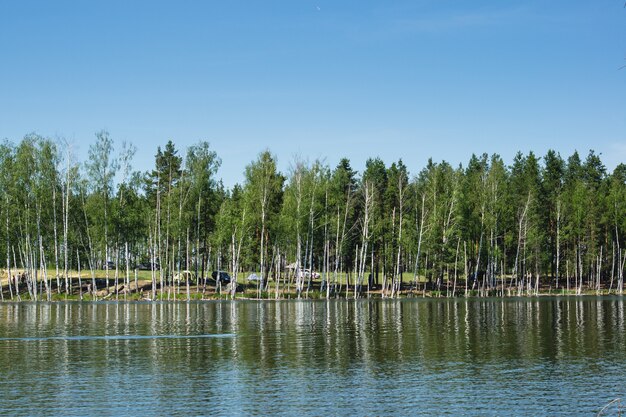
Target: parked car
147,266
221,276
306,273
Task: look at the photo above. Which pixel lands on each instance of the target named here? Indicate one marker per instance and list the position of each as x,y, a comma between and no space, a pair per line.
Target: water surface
545,356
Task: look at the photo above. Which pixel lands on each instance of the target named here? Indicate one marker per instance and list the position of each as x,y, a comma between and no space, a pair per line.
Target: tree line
484,228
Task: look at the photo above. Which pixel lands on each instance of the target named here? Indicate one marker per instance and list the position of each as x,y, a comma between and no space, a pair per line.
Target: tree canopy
549,220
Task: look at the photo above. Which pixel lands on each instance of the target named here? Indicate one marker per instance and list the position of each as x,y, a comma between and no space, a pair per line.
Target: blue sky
319,79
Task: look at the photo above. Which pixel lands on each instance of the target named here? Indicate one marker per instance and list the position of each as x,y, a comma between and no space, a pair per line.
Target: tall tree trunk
66,205
9,274
127,260
456,260
398,272
56,241
80,279
558,240
419,242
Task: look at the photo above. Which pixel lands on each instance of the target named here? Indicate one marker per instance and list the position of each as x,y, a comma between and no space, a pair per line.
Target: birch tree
263,191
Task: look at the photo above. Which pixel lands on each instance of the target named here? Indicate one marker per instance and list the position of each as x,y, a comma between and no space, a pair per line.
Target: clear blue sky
319,79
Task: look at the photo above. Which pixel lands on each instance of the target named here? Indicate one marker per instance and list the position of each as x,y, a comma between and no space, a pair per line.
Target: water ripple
118,337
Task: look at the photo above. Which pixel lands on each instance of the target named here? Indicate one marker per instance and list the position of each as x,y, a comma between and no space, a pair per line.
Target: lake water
542,356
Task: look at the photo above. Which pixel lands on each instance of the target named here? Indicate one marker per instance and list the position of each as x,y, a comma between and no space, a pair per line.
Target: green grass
85,275
250,289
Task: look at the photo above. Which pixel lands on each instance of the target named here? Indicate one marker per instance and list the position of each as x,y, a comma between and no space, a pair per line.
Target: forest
540,224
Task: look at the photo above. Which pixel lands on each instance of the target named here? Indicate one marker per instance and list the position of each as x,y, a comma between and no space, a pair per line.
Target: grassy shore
140,288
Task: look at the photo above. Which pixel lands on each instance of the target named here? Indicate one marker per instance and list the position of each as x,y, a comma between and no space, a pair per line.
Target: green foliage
487,222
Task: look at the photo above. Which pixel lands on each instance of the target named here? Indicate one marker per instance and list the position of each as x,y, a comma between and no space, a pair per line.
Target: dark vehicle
147,266
221,276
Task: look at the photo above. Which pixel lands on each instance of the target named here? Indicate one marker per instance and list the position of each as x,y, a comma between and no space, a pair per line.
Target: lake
526,356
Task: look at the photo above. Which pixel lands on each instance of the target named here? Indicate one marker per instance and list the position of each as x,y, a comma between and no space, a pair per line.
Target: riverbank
142,290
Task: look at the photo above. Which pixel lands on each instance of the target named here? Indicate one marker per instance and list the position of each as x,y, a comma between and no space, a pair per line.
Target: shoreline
313,295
